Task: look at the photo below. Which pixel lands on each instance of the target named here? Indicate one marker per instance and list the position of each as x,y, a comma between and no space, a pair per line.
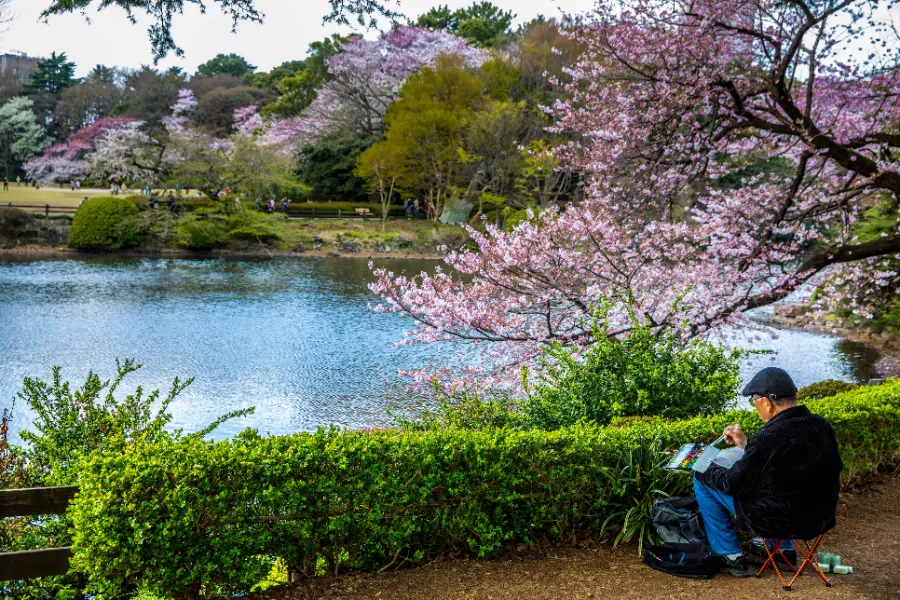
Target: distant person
78,185
18,180
416,210
408,208
72,185
6,184
284,205
271,205
258,203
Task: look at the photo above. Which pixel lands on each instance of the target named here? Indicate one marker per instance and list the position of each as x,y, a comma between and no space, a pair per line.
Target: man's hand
734,435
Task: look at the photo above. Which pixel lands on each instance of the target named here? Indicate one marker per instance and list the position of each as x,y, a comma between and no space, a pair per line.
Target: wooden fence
45,208
32,502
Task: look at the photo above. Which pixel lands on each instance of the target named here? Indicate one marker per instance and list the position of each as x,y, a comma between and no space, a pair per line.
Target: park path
867,537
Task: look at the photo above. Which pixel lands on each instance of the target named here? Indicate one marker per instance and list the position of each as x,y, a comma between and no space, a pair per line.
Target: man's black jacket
786,485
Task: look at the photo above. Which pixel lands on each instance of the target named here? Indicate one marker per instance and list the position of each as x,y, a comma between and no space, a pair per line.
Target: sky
289,27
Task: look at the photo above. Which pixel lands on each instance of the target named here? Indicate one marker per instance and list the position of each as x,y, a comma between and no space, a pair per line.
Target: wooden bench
364,212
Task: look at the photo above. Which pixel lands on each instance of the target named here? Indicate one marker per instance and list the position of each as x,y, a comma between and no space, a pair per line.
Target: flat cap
771,382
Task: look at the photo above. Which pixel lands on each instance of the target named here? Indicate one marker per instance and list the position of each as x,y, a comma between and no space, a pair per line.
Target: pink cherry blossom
667,110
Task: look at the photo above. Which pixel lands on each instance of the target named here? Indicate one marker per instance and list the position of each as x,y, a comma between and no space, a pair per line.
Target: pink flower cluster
65,162
726,154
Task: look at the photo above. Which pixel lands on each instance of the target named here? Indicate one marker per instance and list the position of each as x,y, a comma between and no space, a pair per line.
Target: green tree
230,64
328,168
299,90
271,79
149,95
483,23
381,166
439,17
21,137
426,128
103,74
52,75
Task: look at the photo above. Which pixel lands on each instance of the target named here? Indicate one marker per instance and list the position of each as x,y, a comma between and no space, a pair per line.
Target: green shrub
647,373
191,515
14,219
824,389
98,222
200,235
248,226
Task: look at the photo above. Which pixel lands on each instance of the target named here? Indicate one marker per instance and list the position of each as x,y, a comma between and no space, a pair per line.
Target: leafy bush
13,219
98,224
254,227
200,235
192,515
69,424
647,373
824,389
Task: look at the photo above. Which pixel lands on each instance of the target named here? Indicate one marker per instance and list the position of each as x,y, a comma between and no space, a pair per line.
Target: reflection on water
292,337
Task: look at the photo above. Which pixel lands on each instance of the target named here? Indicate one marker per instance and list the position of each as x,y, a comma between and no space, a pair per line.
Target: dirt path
867,537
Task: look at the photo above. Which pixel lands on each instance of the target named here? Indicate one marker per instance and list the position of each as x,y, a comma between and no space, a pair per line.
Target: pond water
292,337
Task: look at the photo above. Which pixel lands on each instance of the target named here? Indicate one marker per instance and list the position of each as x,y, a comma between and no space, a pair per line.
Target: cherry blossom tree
730,150
366,77
64,162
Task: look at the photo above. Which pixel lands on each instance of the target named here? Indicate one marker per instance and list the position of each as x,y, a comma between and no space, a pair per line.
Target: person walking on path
18,180
6,184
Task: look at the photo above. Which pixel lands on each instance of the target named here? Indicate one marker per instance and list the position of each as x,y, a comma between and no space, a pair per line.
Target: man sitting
786,484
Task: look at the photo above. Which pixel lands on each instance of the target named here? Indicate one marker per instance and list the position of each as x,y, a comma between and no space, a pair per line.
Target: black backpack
677,520
694,561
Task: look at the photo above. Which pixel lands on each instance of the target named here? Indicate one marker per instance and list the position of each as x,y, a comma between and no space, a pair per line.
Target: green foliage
200,234
13,220
635,483
71,424
98,222
824,389
271,78
647,373
251,226
182,516
328,168
483,23
226,64
52,75
21,136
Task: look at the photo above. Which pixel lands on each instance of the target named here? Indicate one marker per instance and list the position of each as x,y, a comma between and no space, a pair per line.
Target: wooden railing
45,208
31,502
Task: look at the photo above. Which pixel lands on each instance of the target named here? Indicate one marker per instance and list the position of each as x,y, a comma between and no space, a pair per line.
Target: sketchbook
693,457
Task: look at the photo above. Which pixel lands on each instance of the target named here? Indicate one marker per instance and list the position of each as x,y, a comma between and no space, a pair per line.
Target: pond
293,337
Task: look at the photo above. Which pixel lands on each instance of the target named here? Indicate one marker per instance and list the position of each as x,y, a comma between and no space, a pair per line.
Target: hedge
188,516
98,224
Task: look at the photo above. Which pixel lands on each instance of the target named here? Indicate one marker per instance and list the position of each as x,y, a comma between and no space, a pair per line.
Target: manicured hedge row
190,516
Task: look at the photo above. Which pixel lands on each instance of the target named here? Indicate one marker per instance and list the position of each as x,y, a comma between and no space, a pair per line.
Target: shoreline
794,316
43,251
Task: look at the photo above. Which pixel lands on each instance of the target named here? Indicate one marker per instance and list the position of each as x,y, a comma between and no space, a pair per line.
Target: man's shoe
738,566
759,549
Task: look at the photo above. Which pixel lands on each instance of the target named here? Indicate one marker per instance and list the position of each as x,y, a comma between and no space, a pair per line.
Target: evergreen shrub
183,516
98,224
13,219
824,389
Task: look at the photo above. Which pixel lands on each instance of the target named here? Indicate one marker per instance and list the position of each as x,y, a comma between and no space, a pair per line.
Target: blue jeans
718,517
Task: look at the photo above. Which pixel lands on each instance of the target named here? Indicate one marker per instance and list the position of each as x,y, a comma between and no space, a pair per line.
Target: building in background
18,66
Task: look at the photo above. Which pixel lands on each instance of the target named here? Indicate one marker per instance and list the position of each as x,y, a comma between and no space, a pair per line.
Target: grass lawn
54,196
